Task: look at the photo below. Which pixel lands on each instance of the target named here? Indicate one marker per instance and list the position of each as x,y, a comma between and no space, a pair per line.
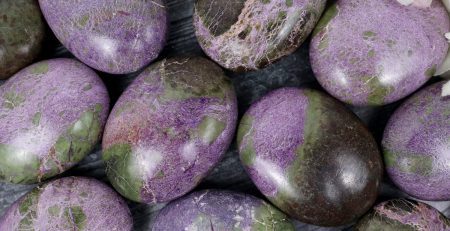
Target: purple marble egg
116,37
375,52
169,129
250,34
221,211
52,114
402,214
71,203
416,144
310,156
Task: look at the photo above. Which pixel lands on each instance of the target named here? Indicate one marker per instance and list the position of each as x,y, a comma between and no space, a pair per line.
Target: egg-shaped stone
22,31
310,156
52,114
247,35
375,52
169,129
116,37
416,144
71,203
221,210
403,214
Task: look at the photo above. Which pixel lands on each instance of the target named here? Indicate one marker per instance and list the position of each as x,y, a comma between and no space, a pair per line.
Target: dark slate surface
294,71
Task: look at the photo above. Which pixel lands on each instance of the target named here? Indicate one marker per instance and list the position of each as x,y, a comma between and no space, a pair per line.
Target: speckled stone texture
310,156
416,144
402,214
116,37
169,128
212,210
71,203
21,35
51,115
375,52
250,34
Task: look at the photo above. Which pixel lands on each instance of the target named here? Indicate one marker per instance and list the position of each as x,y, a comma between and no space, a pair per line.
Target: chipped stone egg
310,156
22,32
375,52
221,210
52,115
247,35
71,203
116,37
169,129
416,144
403,214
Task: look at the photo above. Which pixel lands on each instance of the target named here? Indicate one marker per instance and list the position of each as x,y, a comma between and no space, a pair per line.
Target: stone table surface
293,70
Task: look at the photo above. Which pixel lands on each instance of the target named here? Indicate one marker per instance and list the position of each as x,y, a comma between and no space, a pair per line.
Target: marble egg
416,144
52,114
169,129
403,214
71,203
247,35
375,52
22,31
310,156
221,210
116,37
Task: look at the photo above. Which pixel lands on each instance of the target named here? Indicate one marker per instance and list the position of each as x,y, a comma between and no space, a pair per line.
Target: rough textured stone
111,36
72,203
310,156
402,214
51,116
375,52
250,34
416,144
221,210
21,35
169,128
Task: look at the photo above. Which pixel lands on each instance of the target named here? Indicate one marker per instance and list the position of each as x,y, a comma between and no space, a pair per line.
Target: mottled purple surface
169,128
310,156
416,144
51,116
71,203
112,36
402,214
250,34
375,52
214,210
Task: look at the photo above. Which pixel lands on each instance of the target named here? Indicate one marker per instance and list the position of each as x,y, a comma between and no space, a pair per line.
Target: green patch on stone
324,43
265,1
123,108
186,81
431,71
247,154
12,100
76,219
378,91
37,118
390,158
210,129
54,211
378,222
84,194
391,43
289,3
269,218
83,20
371,53
28,210
369,35
329,14
87,87
123,172
75,143
18,166
160,175
40,68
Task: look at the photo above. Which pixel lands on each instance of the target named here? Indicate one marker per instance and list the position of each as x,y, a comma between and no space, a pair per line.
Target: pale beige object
444,70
